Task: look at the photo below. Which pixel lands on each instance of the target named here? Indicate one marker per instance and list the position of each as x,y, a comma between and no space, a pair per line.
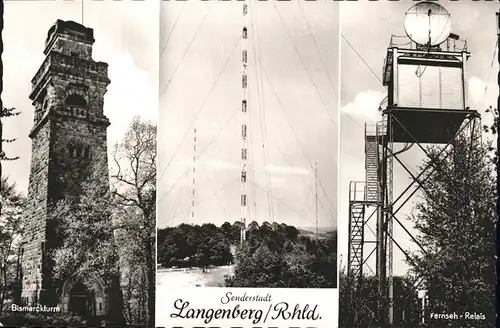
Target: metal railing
451,44
357,191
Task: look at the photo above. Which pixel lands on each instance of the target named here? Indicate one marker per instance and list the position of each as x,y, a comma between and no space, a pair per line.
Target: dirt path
192,277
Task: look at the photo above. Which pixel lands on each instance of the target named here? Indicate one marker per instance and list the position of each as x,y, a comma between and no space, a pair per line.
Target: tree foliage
87,246
455,220
11,207
278,256
109,229
12,204
358,303
85,227
195,246
492,129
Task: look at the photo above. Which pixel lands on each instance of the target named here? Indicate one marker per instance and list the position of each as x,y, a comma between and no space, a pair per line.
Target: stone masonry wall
36,215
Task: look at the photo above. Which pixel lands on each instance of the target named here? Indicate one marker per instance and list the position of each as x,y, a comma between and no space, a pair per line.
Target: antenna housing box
427,90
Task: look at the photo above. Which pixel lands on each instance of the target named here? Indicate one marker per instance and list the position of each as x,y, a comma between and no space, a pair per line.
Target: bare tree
4,113
134,185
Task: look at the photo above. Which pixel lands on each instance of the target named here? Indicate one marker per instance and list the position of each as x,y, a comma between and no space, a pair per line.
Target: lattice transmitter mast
244,106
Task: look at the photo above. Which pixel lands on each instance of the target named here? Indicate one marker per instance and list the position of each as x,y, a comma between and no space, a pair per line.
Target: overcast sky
126,34
368,27
296,80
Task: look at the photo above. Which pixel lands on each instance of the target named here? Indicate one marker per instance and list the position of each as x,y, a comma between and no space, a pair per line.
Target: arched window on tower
76,100
76,105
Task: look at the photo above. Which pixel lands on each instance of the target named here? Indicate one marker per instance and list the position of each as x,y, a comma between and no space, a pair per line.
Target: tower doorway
85,299
79,300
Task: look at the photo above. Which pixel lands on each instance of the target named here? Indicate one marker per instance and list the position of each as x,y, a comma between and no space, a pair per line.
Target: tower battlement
69,36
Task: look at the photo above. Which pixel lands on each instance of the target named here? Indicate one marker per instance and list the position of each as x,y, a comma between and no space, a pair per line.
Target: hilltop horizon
308,228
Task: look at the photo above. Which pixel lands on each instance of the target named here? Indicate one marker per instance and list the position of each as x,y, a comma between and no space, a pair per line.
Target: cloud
365,106
17,53
481,94
286,170
129,94
218,164
476,89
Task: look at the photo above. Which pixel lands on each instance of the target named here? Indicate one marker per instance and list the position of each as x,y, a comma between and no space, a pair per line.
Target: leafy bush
31,319
279,258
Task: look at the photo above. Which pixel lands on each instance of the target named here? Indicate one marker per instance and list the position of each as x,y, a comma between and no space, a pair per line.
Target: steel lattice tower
411,119
244,106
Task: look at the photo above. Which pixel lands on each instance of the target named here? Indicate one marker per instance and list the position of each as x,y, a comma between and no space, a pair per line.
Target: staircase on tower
363,194
371,165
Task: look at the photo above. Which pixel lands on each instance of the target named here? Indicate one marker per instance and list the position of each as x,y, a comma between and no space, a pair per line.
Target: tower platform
421,125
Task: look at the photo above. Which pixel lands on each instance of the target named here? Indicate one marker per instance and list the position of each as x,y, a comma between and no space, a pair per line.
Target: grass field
192,277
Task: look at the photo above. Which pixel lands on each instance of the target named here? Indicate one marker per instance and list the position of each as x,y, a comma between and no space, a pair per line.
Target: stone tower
69,129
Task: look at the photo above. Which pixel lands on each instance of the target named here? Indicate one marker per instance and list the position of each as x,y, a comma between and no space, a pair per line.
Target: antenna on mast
194,177
498,22
82,11
316,198
429,12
